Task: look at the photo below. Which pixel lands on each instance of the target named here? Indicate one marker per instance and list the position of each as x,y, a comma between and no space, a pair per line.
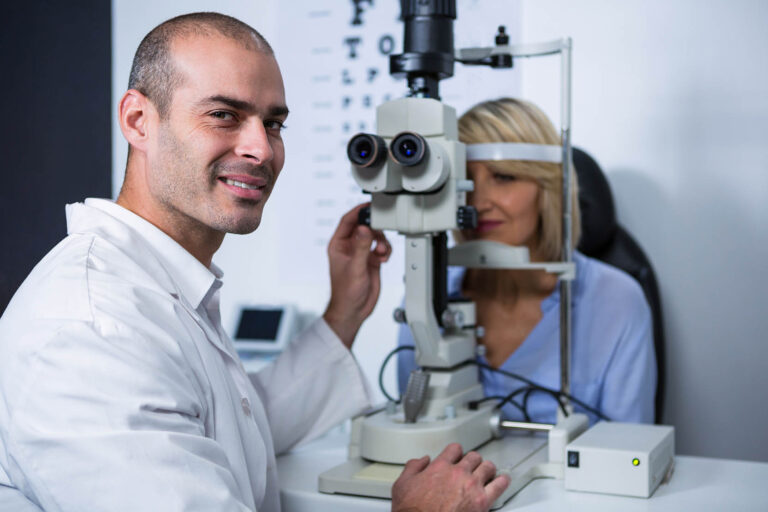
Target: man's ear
134,112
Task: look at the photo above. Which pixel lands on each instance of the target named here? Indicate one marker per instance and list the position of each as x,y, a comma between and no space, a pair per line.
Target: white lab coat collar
190,277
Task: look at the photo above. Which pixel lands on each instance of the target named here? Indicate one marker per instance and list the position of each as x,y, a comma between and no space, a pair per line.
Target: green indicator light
635,461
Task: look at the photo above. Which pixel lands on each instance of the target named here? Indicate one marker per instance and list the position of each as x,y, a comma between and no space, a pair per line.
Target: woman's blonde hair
513,120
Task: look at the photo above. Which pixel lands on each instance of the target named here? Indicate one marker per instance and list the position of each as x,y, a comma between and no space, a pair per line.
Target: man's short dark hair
153,73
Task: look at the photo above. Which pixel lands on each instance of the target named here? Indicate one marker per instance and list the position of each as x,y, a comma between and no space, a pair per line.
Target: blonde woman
613,364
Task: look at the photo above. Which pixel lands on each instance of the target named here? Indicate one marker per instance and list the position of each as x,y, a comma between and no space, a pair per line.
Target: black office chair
604,239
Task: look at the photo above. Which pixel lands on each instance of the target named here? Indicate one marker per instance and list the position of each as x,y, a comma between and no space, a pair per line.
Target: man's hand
449,483
355,279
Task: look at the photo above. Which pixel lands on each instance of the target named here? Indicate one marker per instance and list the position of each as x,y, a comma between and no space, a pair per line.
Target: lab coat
119,389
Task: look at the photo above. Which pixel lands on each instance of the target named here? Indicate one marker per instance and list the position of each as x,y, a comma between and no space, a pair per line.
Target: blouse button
246,406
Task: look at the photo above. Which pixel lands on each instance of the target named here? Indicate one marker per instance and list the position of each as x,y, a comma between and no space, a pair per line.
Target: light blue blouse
613,366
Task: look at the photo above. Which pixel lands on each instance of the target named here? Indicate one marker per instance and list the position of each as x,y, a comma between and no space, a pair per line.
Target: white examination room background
669,97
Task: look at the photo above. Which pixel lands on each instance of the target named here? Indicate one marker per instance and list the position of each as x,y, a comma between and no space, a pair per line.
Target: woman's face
507,207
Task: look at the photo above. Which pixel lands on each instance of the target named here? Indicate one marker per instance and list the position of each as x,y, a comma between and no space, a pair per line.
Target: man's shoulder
57,286
88,292
76,278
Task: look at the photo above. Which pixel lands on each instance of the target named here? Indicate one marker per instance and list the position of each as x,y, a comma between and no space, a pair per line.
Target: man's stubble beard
197,207
245,224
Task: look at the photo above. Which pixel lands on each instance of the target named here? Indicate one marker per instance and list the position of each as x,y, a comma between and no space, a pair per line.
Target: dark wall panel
55,73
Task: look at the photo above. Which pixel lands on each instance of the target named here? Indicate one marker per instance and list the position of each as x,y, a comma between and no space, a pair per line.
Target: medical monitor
265,329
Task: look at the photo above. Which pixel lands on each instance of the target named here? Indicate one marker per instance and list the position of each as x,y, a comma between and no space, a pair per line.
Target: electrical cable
384,365
556,393
527,390
532,386
510,399
475,403
525,397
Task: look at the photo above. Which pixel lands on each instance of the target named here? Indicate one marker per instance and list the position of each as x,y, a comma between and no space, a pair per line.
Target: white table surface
698,483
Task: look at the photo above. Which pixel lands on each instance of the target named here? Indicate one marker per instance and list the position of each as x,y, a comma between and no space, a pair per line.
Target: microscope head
414,167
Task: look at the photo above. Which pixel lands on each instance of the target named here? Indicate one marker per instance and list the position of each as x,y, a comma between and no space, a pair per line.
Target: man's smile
245,186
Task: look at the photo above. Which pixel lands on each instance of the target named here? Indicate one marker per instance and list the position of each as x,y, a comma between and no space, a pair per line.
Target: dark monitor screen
259,324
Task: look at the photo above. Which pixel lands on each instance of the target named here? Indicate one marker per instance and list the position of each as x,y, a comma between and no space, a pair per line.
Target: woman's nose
480,196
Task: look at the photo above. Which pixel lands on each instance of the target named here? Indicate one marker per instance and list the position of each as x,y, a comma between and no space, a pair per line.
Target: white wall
671,99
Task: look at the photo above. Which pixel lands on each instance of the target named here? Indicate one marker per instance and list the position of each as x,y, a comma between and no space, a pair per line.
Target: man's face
219,151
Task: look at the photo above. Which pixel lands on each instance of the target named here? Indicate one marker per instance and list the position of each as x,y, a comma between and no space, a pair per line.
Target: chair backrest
604,239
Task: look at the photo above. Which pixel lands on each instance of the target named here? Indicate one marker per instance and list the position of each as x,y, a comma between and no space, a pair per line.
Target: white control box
627,459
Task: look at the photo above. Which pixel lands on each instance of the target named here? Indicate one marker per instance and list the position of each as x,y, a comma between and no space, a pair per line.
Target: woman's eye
504,177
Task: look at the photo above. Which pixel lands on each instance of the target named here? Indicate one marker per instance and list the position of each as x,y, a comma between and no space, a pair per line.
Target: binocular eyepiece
408,149
367,150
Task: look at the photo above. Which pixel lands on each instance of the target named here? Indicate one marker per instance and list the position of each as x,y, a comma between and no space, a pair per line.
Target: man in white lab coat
119,389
